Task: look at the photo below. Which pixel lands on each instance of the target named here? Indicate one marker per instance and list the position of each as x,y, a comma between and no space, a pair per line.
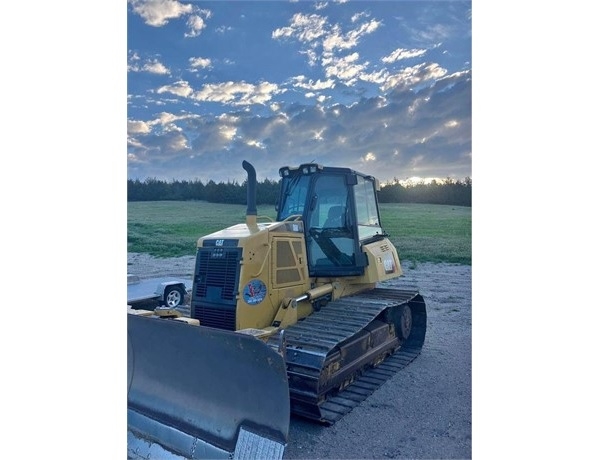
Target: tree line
447,191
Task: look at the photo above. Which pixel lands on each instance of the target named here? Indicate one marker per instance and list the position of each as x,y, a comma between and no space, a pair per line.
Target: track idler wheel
405,322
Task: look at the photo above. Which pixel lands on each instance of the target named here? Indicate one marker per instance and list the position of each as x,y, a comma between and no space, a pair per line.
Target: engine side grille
217,268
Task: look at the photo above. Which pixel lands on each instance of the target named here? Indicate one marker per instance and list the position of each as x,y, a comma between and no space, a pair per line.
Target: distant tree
267,191
196,190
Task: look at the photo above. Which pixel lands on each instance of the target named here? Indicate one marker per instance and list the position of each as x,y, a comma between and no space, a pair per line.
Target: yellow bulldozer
286,317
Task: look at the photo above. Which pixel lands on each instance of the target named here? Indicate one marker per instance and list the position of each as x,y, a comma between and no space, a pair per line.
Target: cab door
331,229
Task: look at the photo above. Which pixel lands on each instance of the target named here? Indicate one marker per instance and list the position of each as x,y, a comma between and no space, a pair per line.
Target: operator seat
336,217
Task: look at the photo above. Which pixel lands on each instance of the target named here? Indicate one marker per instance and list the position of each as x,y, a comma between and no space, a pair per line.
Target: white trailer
169,292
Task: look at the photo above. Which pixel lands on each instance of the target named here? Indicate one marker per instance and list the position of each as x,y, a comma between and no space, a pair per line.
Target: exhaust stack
252,212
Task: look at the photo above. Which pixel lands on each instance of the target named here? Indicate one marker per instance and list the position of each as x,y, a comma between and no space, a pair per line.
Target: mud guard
199,392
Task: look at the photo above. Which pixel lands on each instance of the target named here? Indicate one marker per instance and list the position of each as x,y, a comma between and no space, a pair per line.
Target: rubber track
311,340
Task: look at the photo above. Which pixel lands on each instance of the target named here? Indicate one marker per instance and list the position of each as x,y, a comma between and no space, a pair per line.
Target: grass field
421,232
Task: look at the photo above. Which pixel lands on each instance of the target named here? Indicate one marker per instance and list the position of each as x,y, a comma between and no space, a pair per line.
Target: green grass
421,232
429,232
172,228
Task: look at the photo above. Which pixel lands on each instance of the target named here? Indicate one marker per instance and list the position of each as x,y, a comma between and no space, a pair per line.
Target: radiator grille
217,270
216,282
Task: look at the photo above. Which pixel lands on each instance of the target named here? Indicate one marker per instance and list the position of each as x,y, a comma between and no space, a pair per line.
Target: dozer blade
198,392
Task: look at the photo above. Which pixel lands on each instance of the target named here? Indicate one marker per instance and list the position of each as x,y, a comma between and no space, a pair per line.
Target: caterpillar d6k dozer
285,317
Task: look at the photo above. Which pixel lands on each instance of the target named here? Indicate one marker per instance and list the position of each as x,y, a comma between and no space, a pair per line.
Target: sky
382,87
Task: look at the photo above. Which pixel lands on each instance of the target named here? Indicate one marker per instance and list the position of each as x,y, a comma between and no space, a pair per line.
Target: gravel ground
425,410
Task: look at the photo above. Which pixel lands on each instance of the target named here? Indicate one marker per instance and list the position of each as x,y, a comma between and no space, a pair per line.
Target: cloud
435,33
231,93
369,157
137,127
237,93
157,13
305,27
196,23
411,76
356,17
300,82
158,140
223,29
179,88
228,132
310,28
156,67
149,65
378,77
198,62
344,68
166,118
401,53
323,40
256,144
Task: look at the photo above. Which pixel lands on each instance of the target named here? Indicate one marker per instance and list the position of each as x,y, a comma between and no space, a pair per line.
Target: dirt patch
147,266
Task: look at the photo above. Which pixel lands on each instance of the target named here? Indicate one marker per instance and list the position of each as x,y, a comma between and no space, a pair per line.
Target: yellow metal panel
383,261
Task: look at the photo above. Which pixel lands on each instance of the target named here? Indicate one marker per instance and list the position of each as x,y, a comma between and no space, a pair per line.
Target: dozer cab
285,317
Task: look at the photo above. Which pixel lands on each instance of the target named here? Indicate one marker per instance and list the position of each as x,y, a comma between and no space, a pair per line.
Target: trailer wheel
173,296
